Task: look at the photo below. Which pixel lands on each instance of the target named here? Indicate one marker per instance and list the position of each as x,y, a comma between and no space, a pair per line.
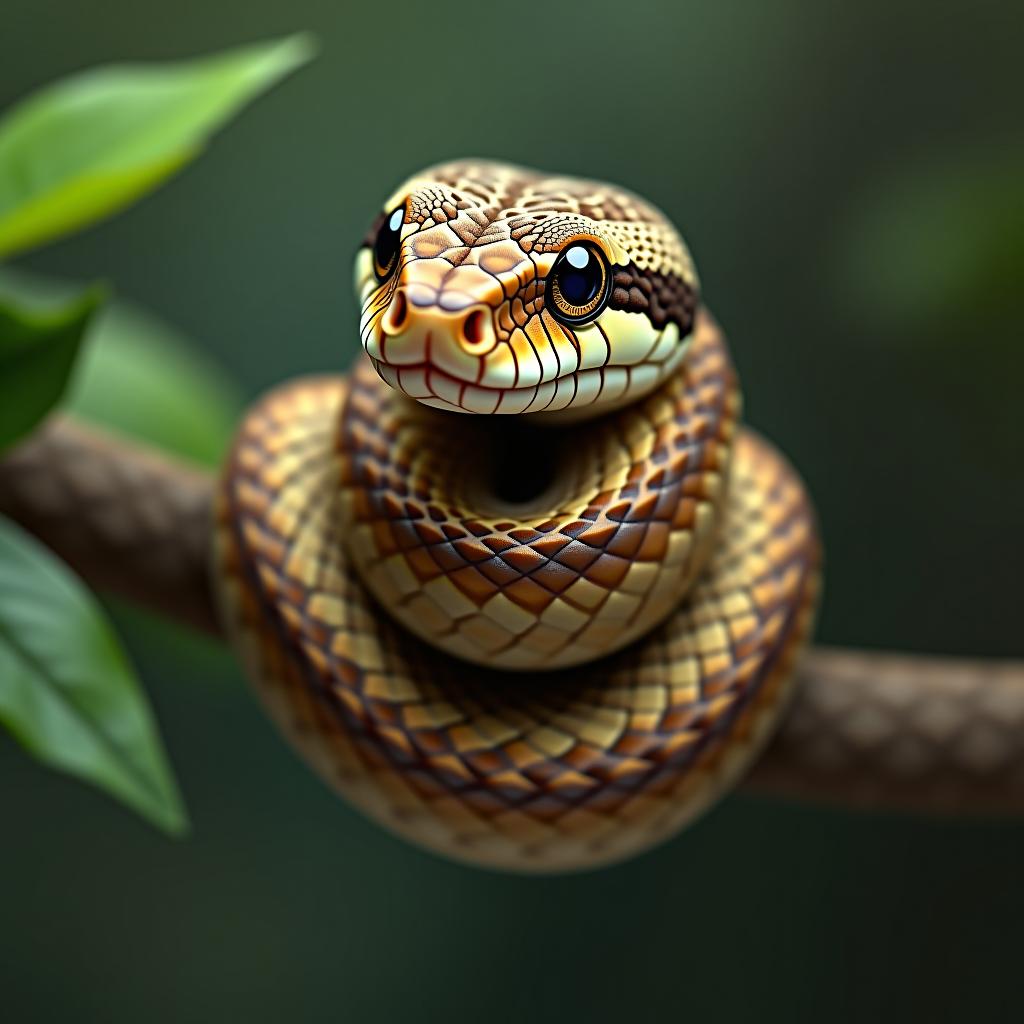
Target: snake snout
448,331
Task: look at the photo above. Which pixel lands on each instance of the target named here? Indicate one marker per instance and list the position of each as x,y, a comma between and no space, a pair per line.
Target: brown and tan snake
520,588
913,734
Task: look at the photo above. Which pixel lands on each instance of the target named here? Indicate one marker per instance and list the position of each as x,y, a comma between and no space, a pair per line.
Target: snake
519,585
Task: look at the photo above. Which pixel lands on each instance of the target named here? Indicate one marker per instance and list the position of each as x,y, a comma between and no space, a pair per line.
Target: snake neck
522,546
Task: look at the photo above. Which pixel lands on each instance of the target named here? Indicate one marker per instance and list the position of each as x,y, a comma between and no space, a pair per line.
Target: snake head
486,288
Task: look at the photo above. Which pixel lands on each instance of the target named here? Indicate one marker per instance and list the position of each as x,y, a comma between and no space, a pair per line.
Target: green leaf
91,144
67,692
139,376
37,353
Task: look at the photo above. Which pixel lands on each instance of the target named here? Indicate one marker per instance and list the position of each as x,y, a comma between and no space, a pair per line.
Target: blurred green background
848,177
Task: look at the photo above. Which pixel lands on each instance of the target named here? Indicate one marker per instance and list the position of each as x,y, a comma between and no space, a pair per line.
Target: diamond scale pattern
550,770
598,559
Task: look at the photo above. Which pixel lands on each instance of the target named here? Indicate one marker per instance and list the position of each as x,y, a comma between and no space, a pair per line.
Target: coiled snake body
536,641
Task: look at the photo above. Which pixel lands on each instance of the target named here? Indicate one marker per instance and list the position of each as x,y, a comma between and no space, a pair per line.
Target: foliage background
847,176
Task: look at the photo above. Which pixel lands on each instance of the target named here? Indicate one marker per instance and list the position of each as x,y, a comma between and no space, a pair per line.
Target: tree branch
127,518
938,735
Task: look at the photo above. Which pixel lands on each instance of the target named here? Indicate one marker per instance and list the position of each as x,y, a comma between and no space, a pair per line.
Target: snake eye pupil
577,285
579,279
387,244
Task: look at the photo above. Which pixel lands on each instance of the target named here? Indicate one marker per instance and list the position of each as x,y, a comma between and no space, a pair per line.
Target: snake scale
520,587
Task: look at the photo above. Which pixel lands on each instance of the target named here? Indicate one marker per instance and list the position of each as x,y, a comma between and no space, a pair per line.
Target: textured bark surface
125,517
879,729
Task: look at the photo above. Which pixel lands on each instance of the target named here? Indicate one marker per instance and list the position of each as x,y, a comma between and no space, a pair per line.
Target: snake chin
578,395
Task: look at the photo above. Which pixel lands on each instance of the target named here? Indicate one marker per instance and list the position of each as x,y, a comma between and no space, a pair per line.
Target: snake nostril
474,329
397,314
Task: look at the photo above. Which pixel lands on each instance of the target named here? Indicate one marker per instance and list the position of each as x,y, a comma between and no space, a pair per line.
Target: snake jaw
451,337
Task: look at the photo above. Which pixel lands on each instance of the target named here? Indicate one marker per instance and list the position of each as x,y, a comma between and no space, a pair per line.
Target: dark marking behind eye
664,298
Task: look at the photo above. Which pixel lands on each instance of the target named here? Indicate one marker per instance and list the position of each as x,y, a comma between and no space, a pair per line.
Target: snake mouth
439,371
431,385
575,394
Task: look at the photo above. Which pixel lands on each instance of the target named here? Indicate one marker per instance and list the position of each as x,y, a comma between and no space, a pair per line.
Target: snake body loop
597,560
382,575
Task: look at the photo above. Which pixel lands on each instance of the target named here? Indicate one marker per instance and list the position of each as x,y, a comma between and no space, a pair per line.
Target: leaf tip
177,824
301,47
282,56
164,807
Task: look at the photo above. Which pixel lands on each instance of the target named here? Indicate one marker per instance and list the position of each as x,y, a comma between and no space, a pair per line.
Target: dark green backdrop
841,172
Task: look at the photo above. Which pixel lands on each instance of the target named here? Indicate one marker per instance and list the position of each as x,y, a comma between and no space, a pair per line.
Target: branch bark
925,734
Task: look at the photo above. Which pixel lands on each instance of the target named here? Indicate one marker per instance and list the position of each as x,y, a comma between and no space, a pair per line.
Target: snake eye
387,244
578,283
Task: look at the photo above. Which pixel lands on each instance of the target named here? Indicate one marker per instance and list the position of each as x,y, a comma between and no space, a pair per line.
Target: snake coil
536,641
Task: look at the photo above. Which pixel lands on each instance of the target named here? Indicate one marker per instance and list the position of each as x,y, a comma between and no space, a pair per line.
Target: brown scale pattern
547,772
540,211
579,573
663,297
